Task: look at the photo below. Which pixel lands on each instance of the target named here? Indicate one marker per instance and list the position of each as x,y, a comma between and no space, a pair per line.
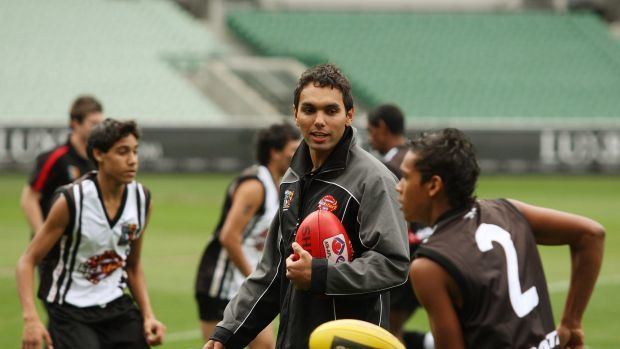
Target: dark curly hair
391,115
450,155
107,133
275,137
325,75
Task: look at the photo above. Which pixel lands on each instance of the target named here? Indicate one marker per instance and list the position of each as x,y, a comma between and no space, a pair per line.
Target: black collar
301,163
450,215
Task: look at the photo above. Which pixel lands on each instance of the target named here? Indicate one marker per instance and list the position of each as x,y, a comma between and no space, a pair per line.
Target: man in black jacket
329,171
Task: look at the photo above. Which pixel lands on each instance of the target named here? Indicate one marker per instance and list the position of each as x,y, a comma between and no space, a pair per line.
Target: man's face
321,117
414,195
121,160
283,157
376,137
90,120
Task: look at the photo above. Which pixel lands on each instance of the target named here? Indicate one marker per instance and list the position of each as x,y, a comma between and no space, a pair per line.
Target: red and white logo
335,249
327,203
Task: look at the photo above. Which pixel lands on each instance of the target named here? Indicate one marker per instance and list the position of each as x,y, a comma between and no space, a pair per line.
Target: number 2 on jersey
522,303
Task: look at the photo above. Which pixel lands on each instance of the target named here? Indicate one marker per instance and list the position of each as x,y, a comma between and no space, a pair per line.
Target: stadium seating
524,66
130,54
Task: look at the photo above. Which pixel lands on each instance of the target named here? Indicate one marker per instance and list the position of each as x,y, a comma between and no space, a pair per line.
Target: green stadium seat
452,66
130,54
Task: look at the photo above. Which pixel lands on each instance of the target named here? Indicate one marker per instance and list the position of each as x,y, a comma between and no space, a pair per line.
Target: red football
322,234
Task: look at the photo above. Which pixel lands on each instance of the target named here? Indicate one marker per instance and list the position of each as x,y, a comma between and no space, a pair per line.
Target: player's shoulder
365,164
53,155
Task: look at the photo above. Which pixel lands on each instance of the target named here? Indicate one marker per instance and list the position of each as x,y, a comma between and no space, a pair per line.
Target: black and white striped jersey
86,267
217,276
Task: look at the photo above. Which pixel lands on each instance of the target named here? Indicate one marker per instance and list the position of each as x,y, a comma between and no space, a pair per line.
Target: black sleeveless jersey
491,253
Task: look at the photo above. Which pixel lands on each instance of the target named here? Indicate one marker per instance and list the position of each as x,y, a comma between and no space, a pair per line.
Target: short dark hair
391,115
84,105
106,134
324,75
450,155
275,137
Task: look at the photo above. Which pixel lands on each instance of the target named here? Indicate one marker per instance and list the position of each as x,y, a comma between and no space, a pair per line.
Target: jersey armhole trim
67,192
454,273
519,213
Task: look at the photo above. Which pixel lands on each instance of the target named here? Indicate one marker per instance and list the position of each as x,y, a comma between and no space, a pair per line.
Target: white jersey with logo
92,254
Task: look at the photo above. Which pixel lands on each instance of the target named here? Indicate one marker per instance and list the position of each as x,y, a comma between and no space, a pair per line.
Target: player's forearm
235,253
370,272
137,285
24,275
586,258
32,210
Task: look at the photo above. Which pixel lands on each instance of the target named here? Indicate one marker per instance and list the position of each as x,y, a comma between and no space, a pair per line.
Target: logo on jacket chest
327,203
288,198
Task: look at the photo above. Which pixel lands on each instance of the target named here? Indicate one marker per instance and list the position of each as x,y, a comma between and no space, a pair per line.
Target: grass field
186,208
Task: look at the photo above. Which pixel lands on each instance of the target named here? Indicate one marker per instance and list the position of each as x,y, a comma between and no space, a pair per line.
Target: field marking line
182,336
562,286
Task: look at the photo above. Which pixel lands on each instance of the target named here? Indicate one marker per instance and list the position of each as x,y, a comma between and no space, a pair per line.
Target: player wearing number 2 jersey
479,275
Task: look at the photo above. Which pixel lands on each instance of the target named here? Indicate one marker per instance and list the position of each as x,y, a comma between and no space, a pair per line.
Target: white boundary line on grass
562,286
182,336
554,287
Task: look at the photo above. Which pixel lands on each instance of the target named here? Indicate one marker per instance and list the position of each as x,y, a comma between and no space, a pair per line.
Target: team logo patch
98,267
129,232
327,203
335,249
288,198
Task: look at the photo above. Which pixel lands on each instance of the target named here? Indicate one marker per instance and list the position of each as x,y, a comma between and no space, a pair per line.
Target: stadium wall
194,149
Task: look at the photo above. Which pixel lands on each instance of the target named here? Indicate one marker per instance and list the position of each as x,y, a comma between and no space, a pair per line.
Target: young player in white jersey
237,243
89,251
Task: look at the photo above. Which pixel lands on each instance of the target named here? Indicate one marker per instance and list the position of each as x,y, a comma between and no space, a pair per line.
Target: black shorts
209,308
117,325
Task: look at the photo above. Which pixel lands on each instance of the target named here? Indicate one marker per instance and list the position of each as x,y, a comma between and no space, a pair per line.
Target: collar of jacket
301,164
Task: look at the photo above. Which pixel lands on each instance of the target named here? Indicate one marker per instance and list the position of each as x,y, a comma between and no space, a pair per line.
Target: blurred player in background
94,238
330,171
386,134
239,238
479,276
63,164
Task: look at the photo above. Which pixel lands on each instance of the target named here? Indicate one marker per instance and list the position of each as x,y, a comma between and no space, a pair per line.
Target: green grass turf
186,208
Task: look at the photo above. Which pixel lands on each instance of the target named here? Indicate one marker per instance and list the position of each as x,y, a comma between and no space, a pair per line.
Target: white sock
429,342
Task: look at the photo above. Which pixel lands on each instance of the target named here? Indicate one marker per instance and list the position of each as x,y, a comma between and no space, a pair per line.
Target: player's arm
247,200
41,244
154,330
29,202
586,240
383,231
440,296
